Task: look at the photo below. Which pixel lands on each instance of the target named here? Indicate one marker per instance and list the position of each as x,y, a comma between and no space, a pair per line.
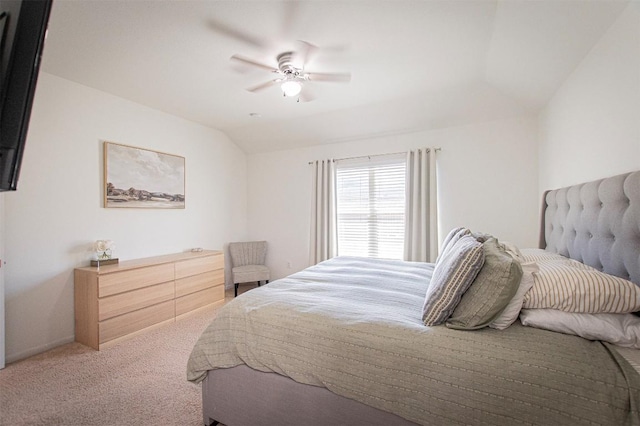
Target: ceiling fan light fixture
291,88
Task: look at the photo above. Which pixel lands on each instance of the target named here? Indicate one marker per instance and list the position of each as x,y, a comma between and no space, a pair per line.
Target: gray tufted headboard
596,223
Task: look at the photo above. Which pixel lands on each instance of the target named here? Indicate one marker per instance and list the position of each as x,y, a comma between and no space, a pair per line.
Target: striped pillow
536,255
571,286
452,237
453,274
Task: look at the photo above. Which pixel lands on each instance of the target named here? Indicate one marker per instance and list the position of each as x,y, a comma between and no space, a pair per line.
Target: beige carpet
138,381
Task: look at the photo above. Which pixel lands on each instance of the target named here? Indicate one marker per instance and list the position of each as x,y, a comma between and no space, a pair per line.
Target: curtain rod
374,155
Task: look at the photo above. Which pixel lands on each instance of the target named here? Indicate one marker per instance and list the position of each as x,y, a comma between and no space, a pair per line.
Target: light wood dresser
116,301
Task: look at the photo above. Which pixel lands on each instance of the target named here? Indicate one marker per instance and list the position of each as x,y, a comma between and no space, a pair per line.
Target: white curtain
323,212
421,217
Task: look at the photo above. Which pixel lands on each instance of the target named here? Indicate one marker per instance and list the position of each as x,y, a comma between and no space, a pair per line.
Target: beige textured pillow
514,251
571,286
491,291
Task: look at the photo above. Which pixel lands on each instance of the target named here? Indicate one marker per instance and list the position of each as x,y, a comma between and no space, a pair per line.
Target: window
371,207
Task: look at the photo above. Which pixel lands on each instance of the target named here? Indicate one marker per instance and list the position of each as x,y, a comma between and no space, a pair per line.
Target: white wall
487,181
490,177
57,212
591,127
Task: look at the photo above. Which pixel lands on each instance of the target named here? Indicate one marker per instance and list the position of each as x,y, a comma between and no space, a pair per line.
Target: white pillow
619,329
510,313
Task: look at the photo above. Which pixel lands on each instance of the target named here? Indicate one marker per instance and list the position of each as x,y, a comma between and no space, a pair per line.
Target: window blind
371,208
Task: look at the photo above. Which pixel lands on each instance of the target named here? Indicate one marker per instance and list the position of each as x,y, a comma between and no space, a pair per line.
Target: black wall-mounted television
23,26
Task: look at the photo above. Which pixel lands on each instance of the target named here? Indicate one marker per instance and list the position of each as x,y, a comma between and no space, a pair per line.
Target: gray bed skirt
247,397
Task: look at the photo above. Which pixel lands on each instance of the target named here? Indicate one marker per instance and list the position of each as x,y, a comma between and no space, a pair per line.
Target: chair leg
258,283
236,289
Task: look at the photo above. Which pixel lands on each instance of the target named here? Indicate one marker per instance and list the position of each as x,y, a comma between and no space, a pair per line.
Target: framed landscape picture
142,178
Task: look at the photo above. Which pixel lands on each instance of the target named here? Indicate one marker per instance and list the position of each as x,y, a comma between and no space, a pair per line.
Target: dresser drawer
122,303
200,265
199,299
199,282
135,321
119,282
122,299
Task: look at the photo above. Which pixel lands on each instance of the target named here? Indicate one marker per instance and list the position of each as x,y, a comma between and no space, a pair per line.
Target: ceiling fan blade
306,95
229,31
304,51
329,77
335,48
263,86
251,62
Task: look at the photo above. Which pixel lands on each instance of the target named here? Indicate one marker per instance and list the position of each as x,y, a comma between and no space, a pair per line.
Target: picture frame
142,178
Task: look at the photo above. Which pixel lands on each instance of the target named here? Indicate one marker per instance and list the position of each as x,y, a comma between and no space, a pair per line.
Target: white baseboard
37,350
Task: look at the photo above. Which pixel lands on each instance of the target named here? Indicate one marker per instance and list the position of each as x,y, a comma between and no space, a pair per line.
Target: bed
344,342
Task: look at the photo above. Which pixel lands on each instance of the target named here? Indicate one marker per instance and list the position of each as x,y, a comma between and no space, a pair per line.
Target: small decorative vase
104,255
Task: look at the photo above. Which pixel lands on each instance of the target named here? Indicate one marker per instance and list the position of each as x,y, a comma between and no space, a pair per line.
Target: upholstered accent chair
248,263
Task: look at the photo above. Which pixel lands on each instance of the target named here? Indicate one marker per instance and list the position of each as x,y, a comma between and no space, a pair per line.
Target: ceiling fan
291,74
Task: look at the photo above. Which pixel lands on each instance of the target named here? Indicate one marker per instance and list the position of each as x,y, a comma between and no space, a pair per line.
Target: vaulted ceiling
414,64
